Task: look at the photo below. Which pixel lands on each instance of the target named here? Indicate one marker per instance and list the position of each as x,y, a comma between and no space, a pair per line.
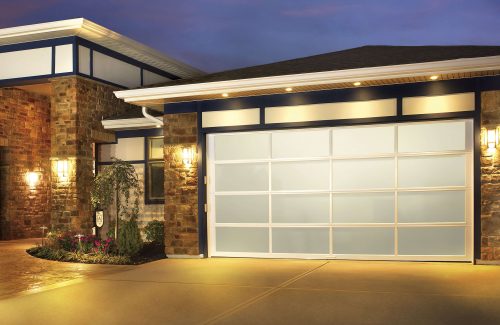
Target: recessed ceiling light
434,77
289,89
357,83
225,95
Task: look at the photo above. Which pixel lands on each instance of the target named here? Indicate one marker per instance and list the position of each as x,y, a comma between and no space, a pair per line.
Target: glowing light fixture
32,179
288,89
225,95
357,84
490,137
62,169
187,156
435,77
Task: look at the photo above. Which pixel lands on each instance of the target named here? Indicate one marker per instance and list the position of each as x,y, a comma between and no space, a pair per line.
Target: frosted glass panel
431,241
431,171
301,240
373,240
363,141
241,177
242,208
363,173
293,144
428,137
301,208
304,175
440,206
241,239
242,146
363,207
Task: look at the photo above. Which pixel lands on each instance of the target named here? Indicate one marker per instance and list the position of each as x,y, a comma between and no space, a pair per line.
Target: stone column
181,186
78,107
490,181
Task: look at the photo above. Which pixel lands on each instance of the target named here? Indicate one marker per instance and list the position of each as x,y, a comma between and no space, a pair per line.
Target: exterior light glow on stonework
32,179
187,156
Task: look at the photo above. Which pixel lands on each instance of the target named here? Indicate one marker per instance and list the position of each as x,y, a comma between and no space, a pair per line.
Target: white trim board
313,78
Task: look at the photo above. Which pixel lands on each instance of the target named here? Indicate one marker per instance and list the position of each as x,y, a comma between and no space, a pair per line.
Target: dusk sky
217,35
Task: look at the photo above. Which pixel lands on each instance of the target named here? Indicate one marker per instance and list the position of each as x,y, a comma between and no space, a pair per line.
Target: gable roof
355,58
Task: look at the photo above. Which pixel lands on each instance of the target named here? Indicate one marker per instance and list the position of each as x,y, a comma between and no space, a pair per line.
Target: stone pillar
25,147
490,181
78,107
181,186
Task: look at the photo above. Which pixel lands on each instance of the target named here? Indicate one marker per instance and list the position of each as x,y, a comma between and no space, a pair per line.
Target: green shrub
129,237
155,233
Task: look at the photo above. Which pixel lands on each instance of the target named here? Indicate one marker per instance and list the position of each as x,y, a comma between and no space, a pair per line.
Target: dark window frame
147,163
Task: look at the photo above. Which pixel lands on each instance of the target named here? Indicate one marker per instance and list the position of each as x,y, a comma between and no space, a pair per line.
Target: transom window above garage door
394,191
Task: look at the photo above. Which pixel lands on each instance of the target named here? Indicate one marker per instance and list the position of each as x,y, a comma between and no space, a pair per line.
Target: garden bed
149,252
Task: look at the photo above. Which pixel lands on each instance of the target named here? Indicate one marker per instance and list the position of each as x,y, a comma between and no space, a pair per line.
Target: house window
155,171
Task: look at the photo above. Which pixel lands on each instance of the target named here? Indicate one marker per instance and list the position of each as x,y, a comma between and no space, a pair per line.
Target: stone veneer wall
181,186
490,181
25,140
78,106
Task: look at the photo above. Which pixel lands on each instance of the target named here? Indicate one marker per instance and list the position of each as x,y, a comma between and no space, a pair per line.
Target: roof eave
314,78
98,34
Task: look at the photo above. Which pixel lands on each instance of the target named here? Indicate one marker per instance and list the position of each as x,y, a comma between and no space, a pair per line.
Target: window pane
242,208
156,180
440,206
304,175
363,207
432,137
358,141
242,146
156,148
301,240
374,240
352,174
295,144
431,241
229,239
431,171
301,208
242,177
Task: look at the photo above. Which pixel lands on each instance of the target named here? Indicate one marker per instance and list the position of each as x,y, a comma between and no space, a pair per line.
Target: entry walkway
253,291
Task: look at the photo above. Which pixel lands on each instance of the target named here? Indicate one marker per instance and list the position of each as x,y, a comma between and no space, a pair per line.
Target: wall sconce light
62,167
489,137
187,156
32,179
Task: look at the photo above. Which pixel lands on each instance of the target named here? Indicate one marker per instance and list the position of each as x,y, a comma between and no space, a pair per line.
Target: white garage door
392,191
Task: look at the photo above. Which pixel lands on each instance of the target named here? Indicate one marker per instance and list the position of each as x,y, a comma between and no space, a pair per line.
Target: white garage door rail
391,191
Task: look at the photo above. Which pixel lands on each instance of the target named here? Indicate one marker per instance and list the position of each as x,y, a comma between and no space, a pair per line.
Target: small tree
117,182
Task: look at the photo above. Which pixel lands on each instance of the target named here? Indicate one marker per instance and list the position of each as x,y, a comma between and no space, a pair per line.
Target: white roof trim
100,35
129,124
314,78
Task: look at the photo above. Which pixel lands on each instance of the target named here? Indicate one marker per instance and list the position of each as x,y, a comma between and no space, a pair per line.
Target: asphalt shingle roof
360,57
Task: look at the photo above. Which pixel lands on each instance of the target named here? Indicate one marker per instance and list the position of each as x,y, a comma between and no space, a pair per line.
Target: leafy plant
129,238
117,183
155,232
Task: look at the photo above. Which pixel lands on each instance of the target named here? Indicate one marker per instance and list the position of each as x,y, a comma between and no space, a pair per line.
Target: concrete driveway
253,291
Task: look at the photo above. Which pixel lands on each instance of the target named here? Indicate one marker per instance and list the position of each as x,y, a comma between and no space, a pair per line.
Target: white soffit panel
331,111
116,71
26,63
84,60
126,149
64,58
438,104
235,117
151,78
